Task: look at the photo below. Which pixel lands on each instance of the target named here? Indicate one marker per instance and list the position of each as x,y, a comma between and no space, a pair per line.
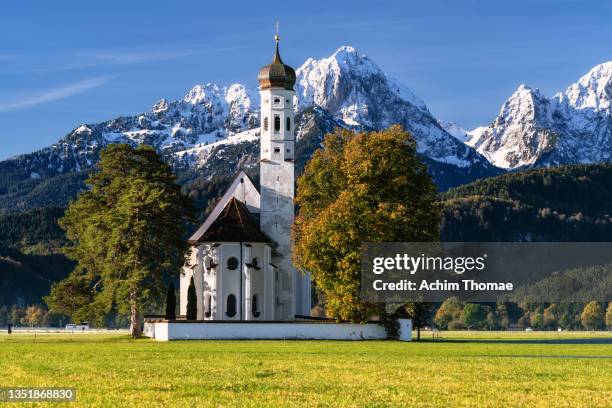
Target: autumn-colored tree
592,317
551,316
126,234
360,187
450,310
34,316
609,316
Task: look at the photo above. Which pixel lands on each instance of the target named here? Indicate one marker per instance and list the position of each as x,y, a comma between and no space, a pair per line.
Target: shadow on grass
588,340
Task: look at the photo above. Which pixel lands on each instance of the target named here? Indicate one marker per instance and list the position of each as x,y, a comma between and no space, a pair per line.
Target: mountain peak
200,93
593,90
345,49
570,127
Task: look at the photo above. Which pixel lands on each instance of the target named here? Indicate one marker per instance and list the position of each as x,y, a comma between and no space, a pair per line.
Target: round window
232,263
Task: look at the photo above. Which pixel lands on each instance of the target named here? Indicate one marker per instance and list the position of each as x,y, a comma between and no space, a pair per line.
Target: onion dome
276,74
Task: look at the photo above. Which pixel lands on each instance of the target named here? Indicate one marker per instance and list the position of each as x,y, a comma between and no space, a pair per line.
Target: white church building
241,256
240,259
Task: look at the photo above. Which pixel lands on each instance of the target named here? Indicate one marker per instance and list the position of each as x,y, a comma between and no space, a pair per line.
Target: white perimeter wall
164,331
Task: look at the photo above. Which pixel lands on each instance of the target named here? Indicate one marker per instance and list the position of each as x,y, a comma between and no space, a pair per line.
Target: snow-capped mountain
356,91
455,131
571,127
213,128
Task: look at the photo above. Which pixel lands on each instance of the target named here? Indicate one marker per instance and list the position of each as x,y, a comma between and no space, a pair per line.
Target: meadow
458,369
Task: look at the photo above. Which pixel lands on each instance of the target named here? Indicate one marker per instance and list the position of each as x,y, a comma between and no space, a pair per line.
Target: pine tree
192,301
126,234
171,302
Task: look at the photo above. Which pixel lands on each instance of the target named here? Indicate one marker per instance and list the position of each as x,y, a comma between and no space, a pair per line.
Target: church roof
276,74
234,224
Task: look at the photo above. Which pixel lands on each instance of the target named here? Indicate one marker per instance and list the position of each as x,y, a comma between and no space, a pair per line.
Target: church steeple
277,181
276,74
277,58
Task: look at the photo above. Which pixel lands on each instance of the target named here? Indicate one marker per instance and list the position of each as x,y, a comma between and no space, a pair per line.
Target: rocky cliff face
214,129
571,127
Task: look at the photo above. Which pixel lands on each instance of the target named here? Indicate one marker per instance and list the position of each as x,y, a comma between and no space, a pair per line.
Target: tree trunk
134,316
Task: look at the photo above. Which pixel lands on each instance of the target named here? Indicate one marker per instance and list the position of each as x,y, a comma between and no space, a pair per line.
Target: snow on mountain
356,91
570,127
455,131
213,128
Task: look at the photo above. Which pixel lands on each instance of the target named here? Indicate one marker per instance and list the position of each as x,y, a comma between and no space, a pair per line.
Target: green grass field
484,369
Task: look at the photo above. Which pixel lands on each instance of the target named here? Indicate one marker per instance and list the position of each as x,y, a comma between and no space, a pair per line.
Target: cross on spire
277,37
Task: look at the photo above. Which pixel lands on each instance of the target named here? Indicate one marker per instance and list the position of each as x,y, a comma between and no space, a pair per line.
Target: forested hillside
568,203
29,255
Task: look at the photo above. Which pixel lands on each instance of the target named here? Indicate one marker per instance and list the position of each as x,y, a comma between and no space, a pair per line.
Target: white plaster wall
257,279
277,192
283,330
192,267
210,279
230,280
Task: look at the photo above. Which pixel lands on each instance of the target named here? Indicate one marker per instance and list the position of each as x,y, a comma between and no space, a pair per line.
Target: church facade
240,256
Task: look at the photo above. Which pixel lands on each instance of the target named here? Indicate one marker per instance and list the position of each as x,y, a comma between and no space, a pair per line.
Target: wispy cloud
55,94
101,58
128,58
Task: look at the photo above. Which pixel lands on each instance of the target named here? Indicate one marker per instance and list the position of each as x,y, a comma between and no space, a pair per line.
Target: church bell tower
277,179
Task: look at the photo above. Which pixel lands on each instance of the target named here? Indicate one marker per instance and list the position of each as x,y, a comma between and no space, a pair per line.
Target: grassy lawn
113,370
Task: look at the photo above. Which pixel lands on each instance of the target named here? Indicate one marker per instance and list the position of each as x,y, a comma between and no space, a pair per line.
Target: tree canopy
360,187
126,234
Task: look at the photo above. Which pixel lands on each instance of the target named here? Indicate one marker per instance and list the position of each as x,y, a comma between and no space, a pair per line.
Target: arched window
207,305
230,307
288,124
277,123
266,124
255,306
255,263
232,263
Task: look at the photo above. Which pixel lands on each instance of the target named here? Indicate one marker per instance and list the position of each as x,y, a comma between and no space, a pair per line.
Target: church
240,256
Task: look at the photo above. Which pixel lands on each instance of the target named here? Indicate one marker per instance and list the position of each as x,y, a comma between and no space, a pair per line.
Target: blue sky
66,63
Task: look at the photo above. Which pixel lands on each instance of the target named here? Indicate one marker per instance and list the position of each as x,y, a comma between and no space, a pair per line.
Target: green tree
4,316
609,316
360,187
421,315
192,301
592,317
566,322
171,302
126,235
16,314
537,320
492,321
473,315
